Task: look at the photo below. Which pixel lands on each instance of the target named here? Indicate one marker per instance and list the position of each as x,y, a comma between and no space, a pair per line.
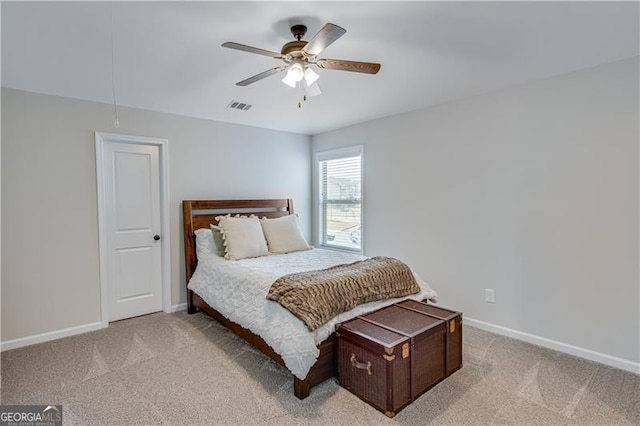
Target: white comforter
237,289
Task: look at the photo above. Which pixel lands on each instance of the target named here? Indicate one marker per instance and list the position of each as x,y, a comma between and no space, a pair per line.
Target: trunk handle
361,365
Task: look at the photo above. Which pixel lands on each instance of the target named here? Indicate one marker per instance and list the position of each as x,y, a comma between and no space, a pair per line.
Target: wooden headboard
198,214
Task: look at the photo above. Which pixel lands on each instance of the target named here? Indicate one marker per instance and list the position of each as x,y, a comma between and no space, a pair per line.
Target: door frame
102,138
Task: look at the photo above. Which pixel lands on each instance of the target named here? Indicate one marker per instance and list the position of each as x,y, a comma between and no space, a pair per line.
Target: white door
132,222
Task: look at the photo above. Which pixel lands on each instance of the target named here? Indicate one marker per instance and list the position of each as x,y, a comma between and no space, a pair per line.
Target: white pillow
283,234
204,243
218,240
243,237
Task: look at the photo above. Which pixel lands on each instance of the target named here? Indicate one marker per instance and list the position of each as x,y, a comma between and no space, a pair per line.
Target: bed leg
191,308
301,388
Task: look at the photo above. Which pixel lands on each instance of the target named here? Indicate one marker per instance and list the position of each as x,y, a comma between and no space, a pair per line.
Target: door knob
156,237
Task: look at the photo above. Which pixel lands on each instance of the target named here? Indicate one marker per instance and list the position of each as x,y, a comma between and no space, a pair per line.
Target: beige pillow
243,237
283,234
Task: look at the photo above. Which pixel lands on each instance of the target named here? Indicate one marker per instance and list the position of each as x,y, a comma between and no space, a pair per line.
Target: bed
214,282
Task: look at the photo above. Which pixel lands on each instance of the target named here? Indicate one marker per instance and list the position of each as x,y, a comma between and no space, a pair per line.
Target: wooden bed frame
200,214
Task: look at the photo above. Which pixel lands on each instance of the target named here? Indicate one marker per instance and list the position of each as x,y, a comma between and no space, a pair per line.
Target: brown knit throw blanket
317,296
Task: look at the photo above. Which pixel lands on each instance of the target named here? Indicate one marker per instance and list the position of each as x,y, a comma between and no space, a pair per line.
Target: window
340,198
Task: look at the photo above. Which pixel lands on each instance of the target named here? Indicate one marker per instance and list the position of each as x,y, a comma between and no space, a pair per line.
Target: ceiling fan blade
251,49
327,35
260,76
353,66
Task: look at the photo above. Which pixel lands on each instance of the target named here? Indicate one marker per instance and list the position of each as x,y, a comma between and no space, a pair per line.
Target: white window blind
340,190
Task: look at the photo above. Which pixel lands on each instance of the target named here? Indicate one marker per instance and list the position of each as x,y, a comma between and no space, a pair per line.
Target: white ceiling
168,56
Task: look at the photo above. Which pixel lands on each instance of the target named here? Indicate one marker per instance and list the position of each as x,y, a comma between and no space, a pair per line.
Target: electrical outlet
489,295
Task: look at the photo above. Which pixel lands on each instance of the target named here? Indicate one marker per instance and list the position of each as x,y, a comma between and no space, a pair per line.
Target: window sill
342,249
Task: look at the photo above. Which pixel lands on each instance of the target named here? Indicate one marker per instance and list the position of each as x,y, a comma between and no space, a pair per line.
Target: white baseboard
609,360
179,307
59,334
52,335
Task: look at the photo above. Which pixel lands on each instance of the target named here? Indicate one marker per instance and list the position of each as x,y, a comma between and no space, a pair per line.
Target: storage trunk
453,349
391,356
427,335
374,364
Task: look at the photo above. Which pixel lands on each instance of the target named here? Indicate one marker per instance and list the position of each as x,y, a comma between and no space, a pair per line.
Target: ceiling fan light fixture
310,76
295,73
289,82
312,90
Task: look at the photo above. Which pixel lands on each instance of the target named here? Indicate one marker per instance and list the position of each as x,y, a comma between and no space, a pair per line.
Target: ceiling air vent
239,105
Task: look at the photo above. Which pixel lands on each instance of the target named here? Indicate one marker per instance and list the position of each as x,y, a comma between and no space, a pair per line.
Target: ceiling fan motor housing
293,48
298,31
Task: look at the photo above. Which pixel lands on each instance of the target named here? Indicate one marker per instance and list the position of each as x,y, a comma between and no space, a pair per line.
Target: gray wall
50,276
531,191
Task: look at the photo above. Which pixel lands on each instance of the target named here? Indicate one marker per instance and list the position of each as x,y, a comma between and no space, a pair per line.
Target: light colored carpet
188,369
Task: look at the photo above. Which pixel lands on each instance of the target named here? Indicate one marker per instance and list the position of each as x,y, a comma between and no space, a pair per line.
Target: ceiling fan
299,55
